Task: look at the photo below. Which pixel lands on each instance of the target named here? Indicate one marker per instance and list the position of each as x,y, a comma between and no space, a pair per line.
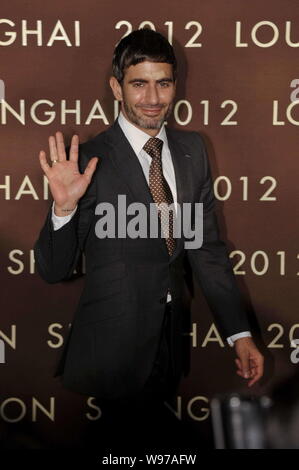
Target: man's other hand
250,362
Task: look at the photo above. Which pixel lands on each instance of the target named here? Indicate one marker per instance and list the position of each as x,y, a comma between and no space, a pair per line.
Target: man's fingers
258,367
53,149
89,170
257,374
252,375
254,380
239,364
255,370
239,368
60,146
43,162
244,367
250,363
74,148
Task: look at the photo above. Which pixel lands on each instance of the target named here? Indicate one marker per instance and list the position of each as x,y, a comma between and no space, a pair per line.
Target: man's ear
116,88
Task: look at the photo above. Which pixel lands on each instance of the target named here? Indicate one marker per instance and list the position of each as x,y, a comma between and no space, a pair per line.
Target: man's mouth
151,111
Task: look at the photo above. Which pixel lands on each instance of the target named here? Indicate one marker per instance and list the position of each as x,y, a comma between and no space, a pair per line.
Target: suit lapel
183,175
127,165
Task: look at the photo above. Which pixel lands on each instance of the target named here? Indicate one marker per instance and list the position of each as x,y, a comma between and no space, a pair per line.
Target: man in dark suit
125,344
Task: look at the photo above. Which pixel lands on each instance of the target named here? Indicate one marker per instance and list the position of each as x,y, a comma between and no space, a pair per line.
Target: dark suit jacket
114,336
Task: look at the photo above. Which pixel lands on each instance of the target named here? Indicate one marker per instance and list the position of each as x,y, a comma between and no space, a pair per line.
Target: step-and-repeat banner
238,85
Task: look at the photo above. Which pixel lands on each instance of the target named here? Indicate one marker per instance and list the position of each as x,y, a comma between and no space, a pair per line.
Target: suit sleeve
57,252
211,264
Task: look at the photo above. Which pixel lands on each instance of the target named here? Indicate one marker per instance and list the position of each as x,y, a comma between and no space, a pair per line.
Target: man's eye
138,84
164,84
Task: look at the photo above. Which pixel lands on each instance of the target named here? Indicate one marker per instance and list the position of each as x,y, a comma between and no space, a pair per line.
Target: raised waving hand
66,183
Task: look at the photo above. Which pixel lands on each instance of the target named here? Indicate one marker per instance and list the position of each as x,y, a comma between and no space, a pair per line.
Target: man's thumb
92,164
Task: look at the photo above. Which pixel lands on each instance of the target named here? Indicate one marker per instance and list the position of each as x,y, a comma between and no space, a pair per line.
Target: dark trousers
144,421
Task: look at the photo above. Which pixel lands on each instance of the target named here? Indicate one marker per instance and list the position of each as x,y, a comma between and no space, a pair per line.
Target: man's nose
152,96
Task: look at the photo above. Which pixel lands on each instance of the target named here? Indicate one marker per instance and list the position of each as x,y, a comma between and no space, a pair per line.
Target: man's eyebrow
166,79
142,80
138,80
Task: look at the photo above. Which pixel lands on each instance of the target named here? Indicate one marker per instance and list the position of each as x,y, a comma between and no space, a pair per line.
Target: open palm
66,183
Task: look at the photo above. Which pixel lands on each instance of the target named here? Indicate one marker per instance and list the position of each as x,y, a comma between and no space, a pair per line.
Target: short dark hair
138,46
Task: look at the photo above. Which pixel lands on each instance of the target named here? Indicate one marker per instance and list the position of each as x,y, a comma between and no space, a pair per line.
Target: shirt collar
137,137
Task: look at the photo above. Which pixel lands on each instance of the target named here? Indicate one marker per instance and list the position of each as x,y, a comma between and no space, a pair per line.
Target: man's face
146,94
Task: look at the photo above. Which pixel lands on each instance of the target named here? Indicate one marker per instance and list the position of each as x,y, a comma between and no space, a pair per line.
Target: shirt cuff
60,221
233,338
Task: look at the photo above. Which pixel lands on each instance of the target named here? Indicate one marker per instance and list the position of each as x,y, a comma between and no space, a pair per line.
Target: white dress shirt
137,139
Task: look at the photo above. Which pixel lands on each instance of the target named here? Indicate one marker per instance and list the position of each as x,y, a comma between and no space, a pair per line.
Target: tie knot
154,147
